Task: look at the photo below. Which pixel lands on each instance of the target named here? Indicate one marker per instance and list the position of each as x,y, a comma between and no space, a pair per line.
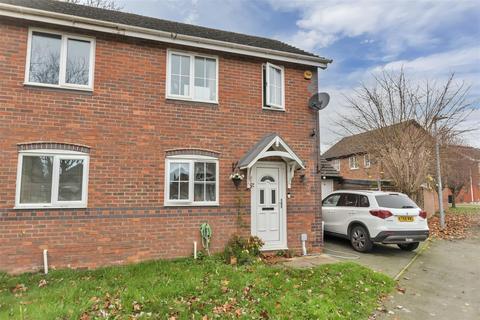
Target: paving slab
309,261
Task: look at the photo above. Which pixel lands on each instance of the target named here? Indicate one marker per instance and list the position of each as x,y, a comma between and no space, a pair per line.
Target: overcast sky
430,39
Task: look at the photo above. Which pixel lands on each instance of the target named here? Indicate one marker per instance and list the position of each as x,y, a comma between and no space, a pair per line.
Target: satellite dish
319,101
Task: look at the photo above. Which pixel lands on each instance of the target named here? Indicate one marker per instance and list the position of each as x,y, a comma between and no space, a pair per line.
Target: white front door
269,204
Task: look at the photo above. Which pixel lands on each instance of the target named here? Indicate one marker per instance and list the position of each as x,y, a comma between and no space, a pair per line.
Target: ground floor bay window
52,179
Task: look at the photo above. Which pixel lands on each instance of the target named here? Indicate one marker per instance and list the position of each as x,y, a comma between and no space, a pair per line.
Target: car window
395,201
331,201
363,201
347,200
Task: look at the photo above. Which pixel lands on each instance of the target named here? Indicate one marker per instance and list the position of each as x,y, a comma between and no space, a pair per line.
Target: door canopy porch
272,145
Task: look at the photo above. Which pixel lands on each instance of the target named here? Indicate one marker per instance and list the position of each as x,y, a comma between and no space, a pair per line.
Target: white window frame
353,162
57,156
190,96
190,159
63,61
366,161
266,93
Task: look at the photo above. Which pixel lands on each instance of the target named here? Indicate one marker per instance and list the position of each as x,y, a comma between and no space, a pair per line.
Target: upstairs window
191,181
59,60
353,161
273,87
336,164
52,178
366,161
192,77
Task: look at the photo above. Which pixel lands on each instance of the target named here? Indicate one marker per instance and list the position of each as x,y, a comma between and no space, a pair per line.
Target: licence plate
405,219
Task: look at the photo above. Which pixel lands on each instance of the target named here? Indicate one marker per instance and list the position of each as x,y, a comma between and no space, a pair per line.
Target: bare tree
400,117
456,169
104,4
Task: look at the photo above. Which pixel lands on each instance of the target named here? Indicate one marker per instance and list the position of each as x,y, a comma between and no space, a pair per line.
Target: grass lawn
188,289
465,209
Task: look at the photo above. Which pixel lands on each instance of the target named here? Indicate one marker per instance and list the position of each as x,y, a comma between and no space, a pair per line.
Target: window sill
273,109
36,207
58,87
191,204
204,102
354,168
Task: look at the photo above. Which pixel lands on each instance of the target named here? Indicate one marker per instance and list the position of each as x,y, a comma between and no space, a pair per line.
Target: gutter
156,35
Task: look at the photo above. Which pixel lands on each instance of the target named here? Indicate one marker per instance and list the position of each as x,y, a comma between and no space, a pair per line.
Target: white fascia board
156,35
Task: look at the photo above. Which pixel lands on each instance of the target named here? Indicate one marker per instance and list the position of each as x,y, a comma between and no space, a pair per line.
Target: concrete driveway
388,259
442,283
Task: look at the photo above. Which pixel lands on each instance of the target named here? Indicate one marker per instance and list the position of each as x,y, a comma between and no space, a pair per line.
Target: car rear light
383,214
423,214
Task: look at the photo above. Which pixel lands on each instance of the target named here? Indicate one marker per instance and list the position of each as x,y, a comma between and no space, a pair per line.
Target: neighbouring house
470,193
331,178
119,135
357,168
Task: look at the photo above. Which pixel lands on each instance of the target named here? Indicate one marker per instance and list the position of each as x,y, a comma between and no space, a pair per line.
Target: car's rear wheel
408,246
360,239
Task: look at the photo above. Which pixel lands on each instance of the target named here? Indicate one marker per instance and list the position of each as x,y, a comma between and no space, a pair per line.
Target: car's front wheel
408,246
360,239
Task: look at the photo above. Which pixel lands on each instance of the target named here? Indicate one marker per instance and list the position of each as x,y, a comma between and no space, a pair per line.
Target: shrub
242,251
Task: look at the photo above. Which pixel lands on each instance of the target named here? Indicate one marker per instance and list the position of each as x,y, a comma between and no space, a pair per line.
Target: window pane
173,191
36,184
78,61
211,68
274,196
278,96
185,66
210,193
45,58
199,82
267,179
212,89
183,190
331,201
363,201
271,92
184,86
70,180
199,192
174,172
199,68
199,171
395,201
211,172
175,64
262,196
175,84
184,171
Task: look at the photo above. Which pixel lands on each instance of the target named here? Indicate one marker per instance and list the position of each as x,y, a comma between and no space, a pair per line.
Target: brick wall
129,125
362,173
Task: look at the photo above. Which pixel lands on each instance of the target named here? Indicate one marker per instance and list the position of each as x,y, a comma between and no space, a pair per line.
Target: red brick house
359,170
119,134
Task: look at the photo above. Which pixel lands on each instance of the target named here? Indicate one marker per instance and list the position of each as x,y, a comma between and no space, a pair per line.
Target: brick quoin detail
128,128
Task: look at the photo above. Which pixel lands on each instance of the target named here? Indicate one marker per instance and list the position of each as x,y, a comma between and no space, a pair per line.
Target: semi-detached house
119,134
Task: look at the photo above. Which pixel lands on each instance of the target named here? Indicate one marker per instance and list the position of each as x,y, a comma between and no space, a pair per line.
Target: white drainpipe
45,261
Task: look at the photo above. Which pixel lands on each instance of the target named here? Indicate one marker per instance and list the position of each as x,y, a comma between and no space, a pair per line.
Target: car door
329,207
361,211
346,207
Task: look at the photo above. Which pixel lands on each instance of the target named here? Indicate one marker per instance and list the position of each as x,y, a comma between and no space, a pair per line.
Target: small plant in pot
237,178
